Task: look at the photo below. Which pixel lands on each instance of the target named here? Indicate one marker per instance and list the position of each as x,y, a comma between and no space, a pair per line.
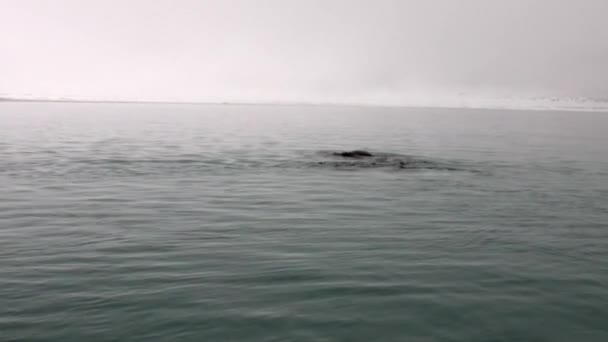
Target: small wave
140,161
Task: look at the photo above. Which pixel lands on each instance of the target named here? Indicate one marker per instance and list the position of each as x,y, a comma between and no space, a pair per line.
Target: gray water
134,222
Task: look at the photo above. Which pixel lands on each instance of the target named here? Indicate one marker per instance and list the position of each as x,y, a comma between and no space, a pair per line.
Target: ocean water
141,222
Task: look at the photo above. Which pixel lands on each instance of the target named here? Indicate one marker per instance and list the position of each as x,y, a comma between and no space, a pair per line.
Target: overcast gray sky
303,50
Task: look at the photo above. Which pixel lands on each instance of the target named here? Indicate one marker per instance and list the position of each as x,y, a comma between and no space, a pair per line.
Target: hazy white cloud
305,50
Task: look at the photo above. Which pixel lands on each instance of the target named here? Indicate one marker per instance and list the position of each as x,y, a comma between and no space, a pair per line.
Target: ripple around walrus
322,159
193,166
382,160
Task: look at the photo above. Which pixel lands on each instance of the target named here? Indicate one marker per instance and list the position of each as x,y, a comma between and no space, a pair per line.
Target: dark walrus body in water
354,154
362,159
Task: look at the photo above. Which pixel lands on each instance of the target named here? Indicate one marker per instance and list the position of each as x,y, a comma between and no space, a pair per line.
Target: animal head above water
354,154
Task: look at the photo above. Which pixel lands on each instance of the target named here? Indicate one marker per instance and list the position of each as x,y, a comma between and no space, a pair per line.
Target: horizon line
295,103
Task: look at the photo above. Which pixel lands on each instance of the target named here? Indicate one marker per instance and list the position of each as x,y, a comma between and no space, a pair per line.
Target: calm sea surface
139,222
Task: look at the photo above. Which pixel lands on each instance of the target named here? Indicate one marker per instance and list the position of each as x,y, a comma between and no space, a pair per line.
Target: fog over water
381,52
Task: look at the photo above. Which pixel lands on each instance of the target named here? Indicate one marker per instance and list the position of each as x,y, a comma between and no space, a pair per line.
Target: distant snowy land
510,103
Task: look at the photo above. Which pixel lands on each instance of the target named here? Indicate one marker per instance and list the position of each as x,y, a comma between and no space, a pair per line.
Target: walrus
353,154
